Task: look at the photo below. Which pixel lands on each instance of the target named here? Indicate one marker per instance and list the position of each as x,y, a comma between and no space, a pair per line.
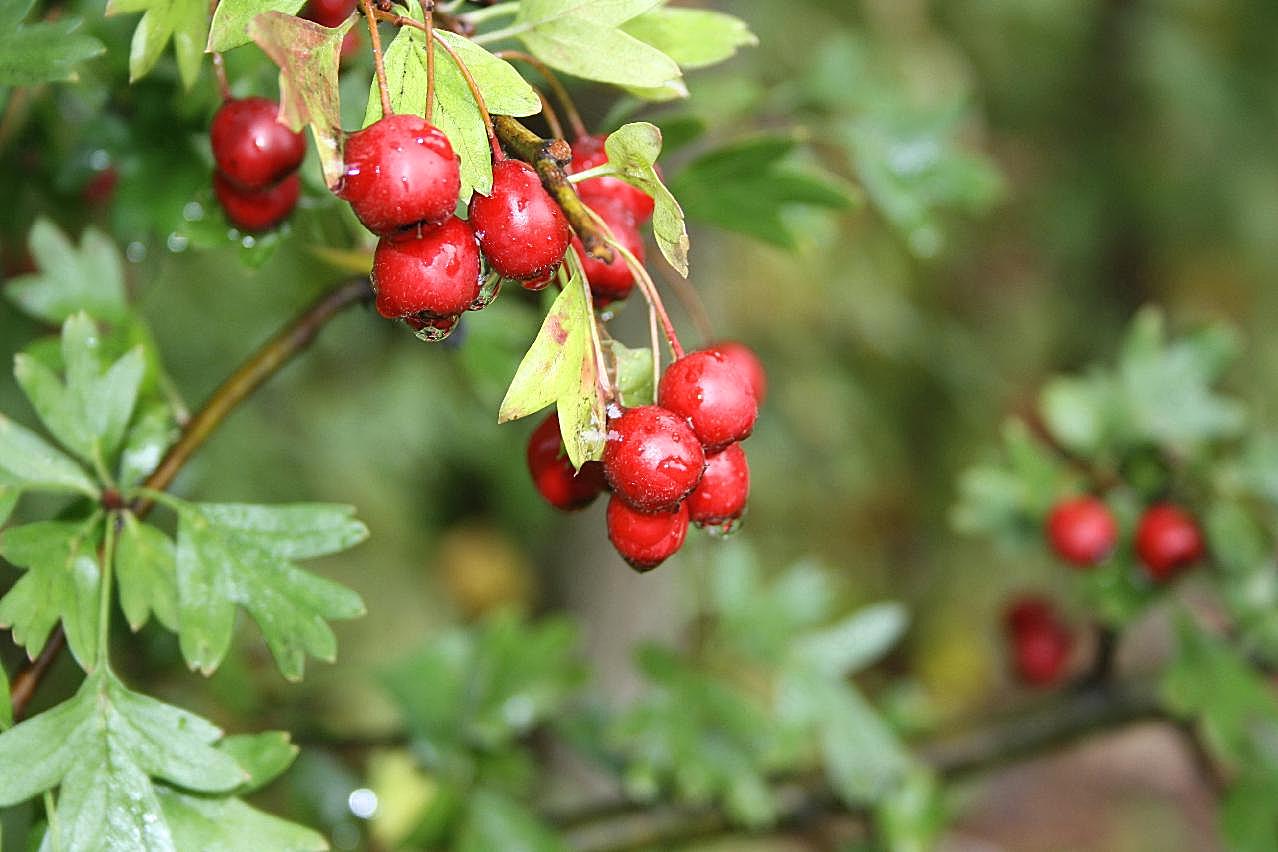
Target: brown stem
219,71
382,88
552,117
552,80
548,157
429,13
29,677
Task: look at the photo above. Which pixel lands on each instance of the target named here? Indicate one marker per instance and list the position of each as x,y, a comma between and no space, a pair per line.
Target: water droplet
135,252
725,529
431,329
248,241
487,292
177,243
362,803
193,211
99,160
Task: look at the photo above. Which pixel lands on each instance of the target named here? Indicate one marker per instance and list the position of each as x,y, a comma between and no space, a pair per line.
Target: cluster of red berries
1041,643
257,158
1083,532
668,464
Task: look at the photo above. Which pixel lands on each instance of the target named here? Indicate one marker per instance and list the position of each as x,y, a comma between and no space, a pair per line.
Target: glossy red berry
540,282
717,400
400,171
721,496
521,229
434,272
1041,652
328,13
256,210
612,282
251,148
1082,531
742,357
563,487
587,153
651,458
1167,540
643,539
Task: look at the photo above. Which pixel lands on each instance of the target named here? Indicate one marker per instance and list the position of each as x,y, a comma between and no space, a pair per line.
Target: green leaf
185,22
308,56
233,554
694,38
863,758
102,747
230,825
43,52
1078,411
560,367
1249,811
747,186
62,582
27,463
632,152
634,374
89,278
230,26
264,756
152,433
854,643
6,701
580,37
496,821
146,570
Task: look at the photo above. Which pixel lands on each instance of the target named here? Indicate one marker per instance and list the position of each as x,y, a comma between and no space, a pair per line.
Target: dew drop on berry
488,291
723,530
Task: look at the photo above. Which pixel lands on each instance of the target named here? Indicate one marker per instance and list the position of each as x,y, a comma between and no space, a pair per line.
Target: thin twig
560,91
219,71
552,117
429,13
370,16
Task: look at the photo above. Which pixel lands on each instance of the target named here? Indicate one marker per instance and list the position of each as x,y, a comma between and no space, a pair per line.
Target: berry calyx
556,480
251,148
644,539
256,210
434,272
720,497
328,13
742,357
1082,531
589,152
521,229
400,172
652,459
612,282
1167,540
717,401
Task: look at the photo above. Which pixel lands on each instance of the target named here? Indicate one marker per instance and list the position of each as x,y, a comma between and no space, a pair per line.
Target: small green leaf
632,151
231,18
46,51
6,702
308,56
264,756
184,22
863,758
582,39
634,374
229,825
27,463
61,582
89,278
146,570
845,648
152,433
495,821
233,554
694,38
1078,411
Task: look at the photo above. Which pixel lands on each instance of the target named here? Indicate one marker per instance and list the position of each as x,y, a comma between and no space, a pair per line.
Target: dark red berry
717,400
521,229
251,148
742,357
612,282
400,171
328,13
721,495
563,487
1040,653
587,153
1167,540
255,210
1082,531
101,187
1027,613
643,539
651,458
434,272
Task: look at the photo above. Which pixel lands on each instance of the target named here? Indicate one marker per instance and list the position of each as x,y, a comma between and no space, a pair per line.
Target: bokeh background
1027,174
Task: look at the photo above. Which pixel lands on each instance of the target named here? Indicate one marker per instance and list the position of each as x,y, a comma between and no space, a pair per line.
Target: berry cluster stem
429,15
371,16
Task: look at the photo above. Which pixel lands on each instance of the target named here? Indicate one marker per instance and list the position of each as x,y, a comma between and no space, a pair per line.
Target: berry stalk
557,88
383,89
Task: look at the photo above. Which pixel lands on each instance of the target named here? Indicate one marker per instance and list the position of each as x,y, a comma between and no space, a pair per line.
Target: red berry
257,210
434,272
1167,539
400,171
539,282
646,540
651,458
612,282
251,148
587,153
705,388
1028,613
328,13
742,357
1082,531
720,497
1041,652
101,187
563,487
521,229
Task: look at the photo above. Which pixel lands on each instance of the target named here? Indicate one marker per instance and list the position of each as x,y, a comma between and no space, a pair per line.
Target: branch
548,157
261,365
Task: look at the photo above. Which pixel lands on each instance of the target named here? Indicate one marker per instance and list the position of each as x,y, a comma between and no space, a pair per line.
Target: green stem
598,171
104,599
51,814
479,16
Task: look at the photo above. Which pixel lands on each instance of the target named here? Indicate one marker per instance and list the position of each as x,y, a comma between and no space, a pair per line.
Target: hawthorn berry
742,357
250,146
539,282
521,229
715,398
433,272
1082,531
589,152
563,487
1040,653
612,282
645,539
1028,612
328,13
400,172
1167,540
720,497
255,210
651,458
